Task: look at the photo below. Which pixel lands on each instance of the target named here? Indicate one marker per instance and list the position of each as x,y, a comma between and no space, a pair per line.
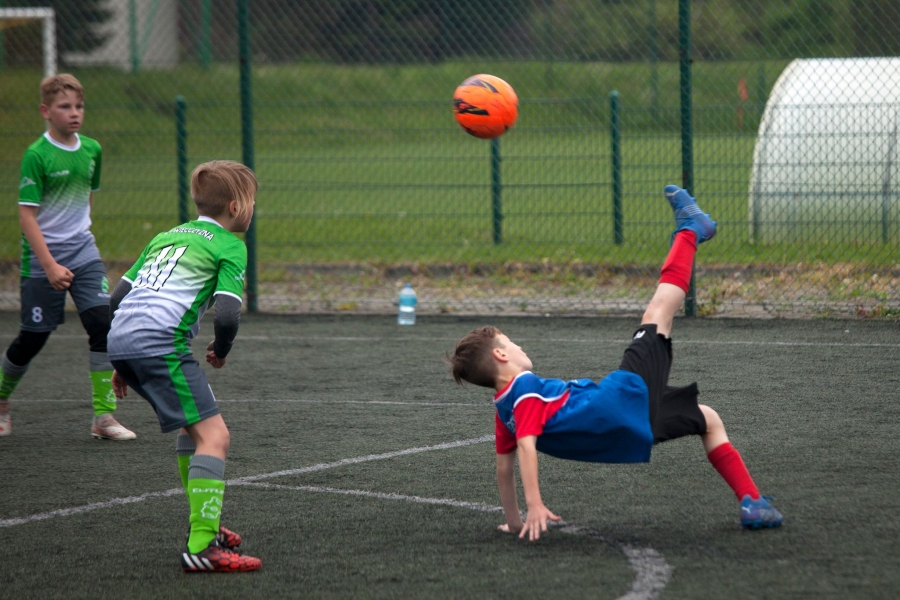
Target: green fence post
687,139
886,185
2,53
615,131
181,145
496,190
247,139
654,64
206,33
133,36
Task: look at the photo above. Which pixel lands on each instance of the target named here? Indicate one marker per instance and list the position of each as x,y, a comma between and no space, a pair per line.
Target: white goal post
17,16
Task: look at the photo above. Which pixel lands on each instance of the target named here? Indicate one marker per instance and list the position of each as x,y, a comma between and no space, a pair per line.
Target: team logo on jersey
241,276
91,166
26,181
639,334
62,173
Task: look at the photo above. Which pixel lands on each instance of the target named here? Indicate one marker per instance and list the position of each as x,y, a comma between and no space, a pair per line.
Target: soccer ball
485,106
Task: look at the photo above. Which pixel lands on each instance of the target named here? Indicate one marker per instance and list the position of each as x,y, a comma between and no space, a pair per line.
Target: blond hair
216,183
55,85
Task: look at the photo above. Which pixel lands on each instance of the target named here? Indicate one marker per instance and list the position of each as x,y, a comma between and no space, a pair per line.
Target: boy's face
515,356
65,114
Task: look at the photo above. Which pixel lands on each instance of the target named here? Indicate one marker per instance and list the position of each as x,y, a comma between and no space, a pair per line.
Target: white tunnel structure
825,163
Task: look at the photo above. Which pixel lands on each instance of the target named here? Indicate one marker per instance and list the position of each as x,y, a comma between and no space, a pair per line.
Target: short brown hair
54,85
471,360
216,183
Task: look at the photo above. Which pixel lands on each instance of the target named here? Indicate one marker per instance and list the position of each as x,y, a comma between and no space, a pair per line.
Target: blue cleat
688,215
756,514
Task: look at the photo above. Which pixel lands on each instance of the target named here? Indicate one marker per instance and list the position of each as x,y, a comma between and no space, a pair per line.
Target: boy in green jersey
156,310
60,172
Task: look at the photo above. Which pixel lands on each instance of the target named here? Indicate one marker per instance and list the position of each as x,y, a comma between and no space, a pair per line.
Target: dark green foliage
76,28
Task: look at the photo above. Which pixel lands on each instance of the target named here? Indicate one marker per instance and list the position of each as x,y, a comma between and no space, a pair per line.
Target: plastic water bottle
407,313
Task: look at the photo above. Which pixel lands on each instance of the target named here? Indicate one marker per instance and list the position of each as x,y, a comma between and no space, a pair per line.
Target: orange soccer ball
485,106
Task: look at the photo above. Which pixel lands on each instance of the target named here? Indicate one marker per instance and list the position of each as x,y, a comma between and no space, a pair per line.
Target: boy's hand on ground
536,522
507,528
212,359
60,277
120,388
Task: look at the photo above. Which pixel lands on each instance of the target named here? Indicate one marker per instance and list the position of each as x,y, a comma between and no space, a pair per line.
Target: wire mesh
368,183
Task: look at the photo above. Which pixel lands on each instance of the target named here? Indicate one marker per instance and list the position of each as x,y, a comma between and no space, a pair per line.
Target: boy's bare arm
506,482
536,518
59,276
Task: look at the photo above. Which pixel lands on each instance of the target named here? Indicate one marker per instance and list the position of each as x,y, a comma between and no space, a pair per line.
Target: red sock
680,261
728,462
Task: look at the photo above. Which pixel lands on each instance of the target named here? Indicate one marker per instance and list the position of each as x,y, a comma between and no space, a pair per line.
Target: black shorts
674,412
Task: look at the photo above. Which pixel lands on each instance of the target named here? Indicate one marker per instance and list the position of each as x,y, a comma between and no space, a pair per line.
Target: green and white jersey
59,179
174,281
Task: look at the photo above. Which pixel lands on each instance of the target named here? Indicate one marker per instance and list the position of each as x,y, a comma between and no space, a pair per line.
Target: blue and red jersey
582,419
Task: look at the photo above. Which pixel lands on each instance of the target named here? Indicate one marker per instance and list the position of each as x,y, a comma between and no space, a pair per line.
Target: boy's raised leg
692,227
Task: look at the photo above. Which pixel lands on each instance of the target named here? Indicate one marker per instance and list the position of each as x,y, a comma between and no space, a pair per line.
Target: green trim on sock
182,389
205,496
103,397
8,385
184,464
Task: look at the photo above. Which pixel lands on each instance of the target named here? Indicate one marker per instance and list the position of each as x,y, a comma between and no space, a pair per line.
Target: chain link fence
780,115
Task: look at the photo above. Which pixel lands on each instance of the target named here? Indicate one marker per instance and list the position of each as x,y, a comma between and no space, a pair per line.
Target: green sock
184,447
104,399
8,385
10,376
206,489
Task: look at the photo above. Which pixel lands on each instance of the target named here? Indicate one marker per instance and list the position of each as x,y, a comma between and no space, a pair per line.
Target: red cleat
228,539
216,559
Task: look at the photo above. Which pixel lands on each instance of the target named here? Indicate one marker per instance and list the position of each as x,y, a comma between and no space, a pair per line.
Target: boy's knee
96,323
26,346
713,420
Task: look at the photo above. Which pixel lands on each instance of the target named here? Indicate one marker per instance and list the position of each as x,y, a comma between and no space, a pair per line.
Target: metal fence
780,116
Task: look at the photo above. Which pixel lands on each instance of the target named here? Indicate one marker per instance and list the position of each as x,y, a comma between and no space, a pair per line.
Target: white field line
652,572
136,398
677,340
65,512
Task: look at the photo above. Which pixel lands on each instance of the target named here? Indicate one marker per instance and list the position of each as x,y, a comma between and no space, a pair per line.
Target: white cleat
110,429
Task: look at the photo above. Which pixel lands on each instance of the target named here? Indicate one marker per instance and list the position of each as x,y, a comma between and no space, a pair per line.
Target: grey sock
100,361
10,369
184,445
204,466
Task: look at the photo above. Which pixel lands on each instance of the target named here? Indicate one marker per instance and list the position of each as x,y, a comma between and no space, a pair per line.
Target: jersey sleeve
31,184
504,440
95,176
232,268
132,273
530,414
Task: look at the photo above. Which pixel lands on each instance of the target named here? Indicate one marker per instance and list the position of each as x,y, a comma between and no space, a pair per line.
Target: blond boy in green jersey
156,310
60,172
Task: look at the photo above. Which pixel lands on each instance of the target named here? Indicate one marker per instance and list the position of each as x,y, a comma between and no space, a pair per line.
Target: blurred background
781,116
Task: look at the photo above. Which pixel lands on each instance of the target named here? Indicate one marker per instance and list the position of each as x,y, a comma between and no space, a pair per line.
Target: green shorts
174,385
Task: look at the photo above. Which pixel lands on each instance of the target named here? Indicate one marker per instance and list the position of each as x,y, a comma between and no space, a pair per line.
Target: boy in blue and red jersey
615,420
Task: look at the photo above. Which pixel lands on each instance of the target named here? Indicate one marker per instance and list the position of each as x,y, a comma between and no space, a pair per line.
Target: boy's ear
233,208
500,355
45,112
